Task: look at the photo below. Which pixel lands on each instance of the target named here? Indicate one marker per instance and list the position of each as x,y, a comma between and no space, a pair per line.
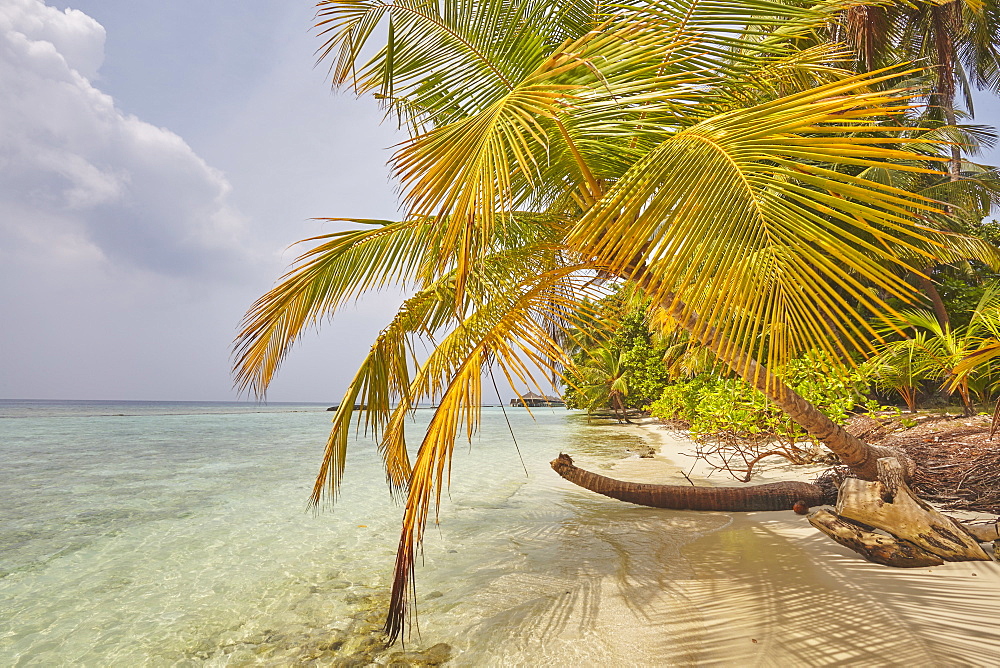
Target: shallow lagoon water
174,535
151,533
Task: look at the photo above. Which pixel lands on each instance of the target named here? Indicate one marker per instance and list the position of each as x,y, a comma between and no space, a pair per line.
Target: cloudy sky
156,161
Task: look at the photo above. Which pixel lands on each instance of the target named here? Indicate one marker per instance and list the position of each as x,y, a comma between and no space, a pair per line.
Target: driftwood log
888,504
873,546
772,496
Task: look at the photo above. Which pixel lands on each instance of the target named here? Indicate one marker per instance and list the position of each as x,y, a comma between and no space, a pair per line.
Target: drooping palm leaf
720,211
510,331
344,266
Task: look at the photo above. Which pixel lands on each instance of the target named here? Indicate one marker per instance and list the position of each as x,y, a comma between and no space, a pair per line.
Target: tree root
875,547
918,532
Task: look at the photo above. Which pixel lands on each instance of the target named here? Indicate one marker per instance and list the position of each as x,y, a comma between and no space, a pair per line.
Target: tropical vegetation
738,426
937,353
754,191
616,342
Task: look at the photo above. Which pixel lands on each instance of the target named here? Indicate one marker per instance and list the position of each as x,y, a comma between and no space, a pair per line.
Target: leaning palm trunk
859,456
854,453
772,496
619,407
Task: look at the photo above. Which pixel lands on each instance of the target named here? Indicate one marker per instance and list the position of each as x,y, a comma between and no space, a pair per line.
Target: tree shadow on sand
622,585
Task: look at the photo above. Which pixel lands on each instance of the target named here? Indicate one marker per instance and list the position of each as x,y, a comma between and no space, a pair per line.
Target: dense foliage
927,354
624,333
712,404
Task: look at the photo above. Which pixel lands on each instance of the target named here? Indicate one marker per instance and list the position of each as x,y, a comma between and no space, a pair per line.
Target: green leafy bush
714,405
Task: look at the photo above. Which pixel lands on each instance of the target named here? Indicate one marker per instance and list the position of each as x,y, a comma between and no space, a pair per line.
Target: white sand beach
762,589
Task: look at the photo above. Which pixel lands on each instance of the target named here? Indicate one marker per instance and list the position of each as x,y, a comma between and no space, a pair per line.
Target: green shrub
714,405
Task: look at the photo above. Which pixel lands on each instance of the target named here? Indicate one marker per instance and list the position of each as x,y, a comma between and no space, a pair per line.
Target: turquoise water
161,533
177,534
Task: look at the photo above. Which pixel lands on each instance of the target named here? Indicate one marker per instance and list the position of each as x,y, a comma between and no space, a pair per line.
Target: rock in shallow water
644,451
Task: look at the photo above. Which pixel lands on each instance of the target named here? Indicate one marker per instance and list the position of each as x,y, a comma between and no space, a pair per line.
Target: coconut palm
603,381
959,40
939,352
557,147
901,367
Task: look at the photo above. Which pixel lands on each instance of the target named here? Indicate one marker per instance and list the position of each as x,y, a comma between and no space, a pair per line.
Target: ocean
159,533
178,534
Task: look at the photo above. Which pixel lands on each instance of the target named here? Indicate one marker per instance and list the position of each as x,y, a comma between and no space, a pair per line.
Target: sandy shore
674,459
762,589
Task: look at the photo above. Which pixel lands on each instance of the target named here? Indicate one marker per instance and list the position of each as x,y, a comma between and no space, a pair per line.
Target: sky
157,160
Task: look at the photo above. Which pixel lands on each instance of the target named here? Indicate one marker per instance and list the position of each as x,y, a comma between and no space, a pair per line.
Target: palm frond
719,211
344,266
383,379
509,330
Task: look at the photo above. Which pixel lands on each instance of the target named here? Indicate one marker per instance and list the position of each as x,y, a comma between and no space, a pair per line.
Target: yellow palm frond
751,219
510,331
382,386
382,380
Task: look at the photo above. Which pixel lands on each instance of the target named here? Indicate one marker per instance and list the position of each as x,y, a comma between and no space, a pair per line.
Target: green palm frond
344,266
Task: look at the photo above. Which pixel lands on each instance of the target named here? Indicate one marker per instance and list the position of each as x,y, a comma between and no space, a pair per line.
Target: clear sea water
177,534
160,533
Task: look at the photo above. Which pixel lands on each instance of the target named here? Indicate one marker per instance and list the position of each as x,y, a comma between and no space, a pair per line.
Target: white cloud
79,176
76,37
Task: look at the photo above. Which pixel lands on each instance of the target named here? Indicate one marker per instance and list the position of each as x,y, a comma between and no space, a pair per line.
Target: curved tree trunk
621,411
968,410
796,496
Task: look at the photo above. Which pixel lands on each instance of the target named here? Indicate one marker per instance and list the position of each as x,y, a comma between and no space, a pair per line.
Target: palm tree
685,145
900,366
938,352
959,41
604,381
